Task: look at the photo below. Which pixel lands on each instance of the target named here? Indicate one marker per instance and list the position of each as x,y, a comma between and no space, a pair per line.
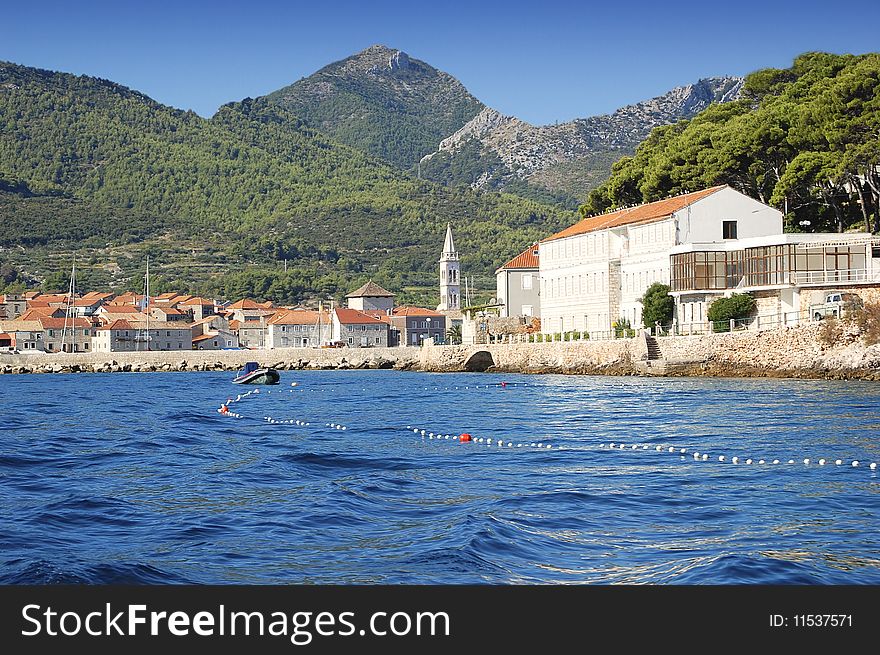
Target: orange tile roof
50,323
407,310
245,303
36,313
205,337
234,325
298,317
528,258
651,211
121,309
118,324
195,300
347,316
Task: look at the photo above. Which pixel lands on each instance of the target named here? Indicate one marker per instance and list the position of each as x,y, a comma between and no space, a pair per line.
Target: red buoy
465,438
503,385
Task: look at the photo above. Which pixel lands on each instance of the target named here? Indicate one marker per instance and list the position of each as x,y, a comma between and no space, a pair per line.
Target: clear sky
542,61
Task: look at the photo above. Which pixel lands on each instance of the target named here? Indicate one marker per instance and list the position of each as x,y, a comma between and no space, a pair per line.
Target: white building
788,274
450,278
595,271
517,284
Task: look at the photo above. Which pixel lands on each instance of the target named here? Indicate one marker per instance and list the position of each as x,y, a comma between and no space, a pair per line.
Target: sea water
137,478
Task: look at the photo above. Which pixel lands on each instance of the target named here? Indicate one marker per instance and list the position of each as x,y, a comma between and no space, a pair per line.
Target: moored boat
253,374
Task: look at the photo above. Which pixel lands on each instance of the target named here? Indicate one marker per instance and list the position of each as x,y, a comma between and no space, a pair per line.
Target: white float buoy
721,458
760,461
735,460
821,462
838,462
807,462
748,461
873,466
705,457
855,462
776,461
671,449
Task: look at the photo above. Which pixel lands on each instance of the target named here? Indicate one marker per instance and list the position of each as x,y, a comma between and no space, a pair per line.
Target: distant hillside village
586,280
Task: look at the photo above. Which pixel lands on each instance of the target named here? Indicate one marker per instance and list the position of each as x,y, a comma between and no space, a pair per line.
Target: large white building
595,271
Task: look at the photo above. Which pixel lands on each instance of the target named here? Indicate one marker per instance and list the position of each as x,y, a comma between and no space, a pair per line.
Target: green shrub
623,328
737,306
657,305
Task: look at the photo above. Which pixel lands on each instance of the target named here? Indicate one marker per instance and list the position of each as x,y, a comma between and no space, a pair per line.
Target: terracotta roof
118,324
234,325
415,311
267,305
169,311
120,309
371,290
205,337
245,303
652,211
50,323
528,258
166,296
195,300
36,313
47,298
299,317
347,316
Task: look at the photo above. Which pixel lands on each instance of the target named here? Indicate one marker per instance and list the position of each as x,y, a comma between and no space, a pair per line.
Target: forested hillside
382,102
805,139
89,165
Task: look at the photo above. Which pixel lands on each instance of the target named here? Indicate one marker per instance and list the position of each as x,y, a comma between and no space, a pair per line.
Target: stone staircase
653,348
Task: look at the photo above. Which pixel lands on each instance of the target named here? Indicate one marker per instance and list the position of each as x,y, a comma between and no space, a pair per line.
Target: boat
253,374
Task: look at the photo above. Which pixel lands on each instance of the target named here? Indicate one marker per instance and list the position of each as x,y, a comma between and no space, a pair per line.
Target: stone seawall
784,352
212,360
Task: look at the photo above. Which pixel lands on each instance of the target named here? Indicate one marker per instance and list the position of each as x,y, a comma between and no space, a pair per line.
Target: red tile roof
36,313
195,300
528,258
407,310
205,337
118,324
348,316
49,323
652,211
245,303
298,317
120,309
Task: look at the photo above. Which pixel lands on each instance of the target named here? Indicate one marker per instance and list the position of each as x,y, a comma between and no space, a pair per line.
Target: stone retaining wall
783,352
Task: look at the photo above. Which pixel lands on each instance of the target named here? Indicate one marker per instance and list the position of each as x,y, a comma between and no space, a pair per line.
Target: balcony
840,276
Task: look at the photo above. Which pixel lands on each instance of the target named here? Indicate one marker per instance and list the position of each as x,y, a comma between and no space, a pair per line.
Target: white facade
596,271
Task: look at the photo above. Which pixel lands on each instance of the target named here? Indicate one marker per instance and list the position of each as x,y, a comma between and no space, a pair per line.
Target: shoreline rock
781,353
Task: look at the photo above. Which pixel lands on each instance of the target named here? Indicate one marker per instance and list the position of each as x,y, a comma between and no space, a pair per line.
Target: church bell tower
450,282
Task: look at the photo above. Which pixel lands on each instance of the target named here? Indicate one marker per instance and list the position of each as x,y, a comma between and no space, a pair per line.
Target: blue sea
136,478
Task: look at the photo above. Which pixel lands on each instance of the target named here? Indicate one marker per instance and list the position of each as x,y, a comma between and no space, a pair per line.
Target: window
527,281
728,229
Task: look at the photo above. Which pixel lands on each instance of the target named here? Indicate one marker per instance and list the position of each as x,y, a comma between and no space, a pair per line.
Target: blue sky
540,61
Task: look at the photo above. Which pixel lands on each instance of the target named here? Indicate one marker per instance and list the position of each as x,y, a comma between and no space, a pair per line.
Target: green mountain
251,201
383,102
805,139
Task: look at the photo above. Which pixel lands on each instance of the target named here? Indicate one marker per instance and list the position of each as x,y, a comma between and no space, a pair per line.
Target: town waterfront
120,478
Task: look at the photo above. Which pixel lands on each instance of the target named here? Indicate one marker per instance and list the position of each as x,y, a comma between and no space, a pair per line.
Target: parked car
836,304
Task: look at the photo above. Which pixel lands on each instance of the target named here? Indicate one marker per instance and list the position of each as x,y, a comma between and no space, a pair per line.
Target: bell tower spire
450,282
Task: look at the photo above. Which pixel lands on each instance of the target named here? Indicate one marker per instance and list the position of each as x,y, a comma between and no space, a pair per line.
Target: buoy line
224,410
466,437
722,459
